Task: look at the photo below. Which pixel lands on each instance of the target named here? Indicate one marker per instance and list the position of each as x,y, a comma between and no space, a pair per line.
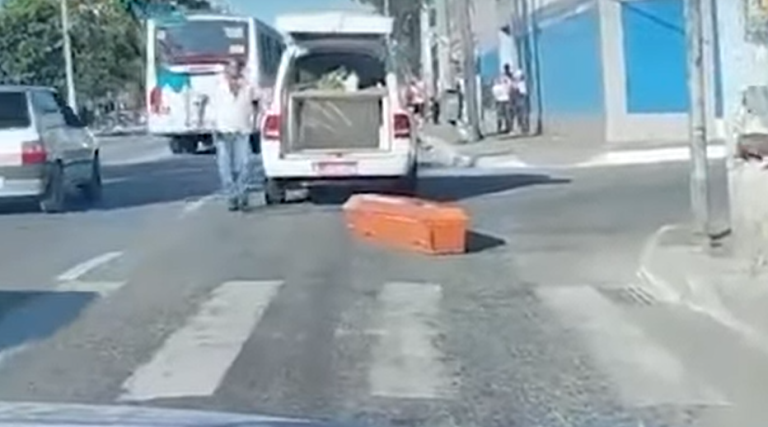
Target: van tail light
271,128
401,125
33,153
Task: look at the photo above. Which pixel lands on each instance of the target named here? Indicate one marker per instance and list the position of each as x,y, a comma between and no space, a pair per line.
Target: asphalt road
161,297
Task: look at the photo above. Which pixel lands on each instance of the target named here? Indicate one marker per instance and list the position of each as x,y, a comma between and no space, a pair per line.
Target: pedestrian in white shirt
502,92
234,108
520,100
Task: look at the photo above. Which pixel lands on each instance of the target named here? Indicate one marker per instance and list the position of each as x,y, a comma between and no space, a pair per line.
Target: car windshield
13,110
201,41
283,213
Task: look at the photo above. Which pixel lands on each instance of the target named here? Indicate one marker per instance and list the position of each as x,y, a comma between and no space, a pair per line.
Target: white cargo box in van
334,23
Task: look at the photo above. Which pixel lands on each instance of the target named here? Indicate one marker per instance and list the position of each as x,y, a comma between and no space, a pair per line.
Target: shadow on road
479,242
190,177
456,188
445,188
32,316
168,180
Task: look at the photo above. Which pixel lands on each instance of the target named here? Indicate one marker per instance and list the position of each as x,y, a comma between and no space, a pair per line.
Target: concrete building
609,69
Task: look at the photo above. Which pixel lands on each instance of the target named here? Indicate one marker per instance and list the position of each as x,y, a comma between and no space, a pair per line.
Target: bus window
196,42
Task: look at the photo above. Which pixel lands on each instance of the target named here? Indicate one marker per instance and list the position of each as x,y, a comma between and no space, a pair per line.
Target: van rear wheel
274,192
408,184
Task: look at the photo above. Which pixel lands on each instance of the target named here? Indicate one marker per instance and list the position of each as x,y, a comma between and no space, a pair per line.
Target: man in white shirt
502,91
234,109
520,100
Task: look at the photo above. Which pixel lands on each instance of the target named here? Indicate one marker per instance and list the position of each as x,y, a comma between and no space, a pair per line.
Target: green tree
406,29
31,42
107,44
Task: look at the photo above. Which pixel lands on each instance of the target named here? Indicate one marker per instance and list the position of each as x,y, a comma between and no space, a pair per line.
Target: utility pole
443,38
700,203
387,8
427,69
68,68
470,70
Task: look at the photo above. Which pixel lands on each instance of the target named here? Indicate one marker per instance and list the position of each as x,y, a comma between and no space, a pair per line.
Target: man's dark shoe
245,204
233,205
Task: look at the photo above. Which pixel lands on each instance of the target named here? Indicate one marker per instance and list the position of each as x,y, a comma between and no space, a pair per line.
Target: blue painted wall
570,73
489,65
654,56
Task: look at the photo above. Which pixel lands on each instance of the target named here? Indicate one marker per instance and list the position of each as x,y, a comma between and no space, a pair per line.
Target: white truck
359,131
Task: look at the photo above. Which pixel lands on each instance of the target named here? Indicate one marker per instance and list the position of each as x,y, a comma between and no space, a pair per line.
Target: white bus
185,59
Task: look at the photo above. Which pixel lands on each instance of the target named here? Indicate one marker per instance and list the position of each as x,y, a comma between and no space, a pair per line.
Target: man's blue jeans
233,156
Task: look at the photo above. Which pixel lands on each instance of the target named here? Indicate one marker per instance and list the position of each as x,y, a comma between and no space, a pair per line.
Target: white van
358,131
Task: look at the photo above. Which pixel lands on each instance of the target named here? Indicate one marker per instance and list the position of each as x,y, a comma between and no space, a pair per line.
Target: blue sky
266,10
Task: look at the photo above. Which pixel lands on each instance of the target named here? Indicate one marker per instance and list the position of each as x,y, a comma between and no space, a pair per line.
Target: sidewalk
549,151
730,290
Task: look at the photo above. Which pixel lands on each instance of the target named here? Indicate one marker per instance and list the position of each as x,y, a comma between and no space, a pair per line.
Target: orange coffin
408,223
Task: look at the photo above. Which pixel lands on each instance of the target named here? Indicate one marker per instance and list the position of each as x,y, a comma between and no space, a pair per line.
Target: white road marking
195,205
195,358
104,289
406,361
611,158
645,373
83,268
649,156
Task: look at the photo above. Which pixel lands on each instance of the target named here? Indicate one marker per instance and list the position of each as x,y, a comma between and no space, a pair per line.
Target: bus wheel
176,146
190,145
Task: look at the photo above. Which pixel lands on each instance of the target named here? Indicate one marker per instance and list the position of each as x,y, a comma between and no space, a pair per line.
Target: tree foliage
407,28
107,44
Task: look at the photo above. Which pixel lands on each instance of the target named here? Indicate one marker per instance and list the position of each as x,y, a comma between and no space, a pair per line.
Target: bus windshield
201,42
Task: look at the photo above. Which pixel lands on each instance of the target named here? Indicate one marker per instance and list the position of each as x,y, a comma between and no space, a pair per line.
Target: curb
694,295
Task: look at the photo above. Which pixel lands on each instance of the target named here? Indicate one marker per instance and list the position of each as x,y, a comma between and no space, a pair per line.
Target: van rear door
321,118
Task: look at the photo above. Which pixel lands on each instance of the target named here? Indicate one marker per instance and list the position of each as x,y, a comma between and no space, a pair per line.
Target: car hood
55,414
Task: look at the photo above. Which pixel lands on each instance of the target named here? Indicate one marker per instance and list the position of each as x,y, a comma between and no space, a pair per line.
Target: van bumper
366,167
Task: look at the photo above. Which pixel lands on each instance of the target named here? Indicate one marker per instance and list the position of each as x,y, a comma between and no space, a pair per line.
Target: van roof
334,23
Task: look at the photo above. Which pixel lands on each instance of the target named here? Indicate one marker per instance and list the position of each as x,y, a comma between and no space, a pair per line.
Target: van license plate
336,168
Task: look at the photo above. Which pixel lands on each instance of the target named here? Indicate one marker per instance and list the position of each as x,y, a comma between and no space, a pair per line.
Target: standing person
520,100
502,92
234,108
418,98
507,75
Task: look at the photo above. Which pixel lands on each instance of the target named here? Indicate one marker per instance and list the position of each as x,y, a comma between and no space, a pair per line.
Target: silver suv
45,149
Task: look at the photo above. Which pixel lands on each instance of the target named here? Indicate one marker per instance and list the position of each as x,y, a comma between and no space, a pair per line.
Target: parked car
46,149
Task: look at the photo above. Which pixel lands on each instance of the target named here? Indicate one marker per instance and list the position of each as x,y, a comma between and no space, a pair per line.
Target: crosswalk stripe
406,362
645,373
194,359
